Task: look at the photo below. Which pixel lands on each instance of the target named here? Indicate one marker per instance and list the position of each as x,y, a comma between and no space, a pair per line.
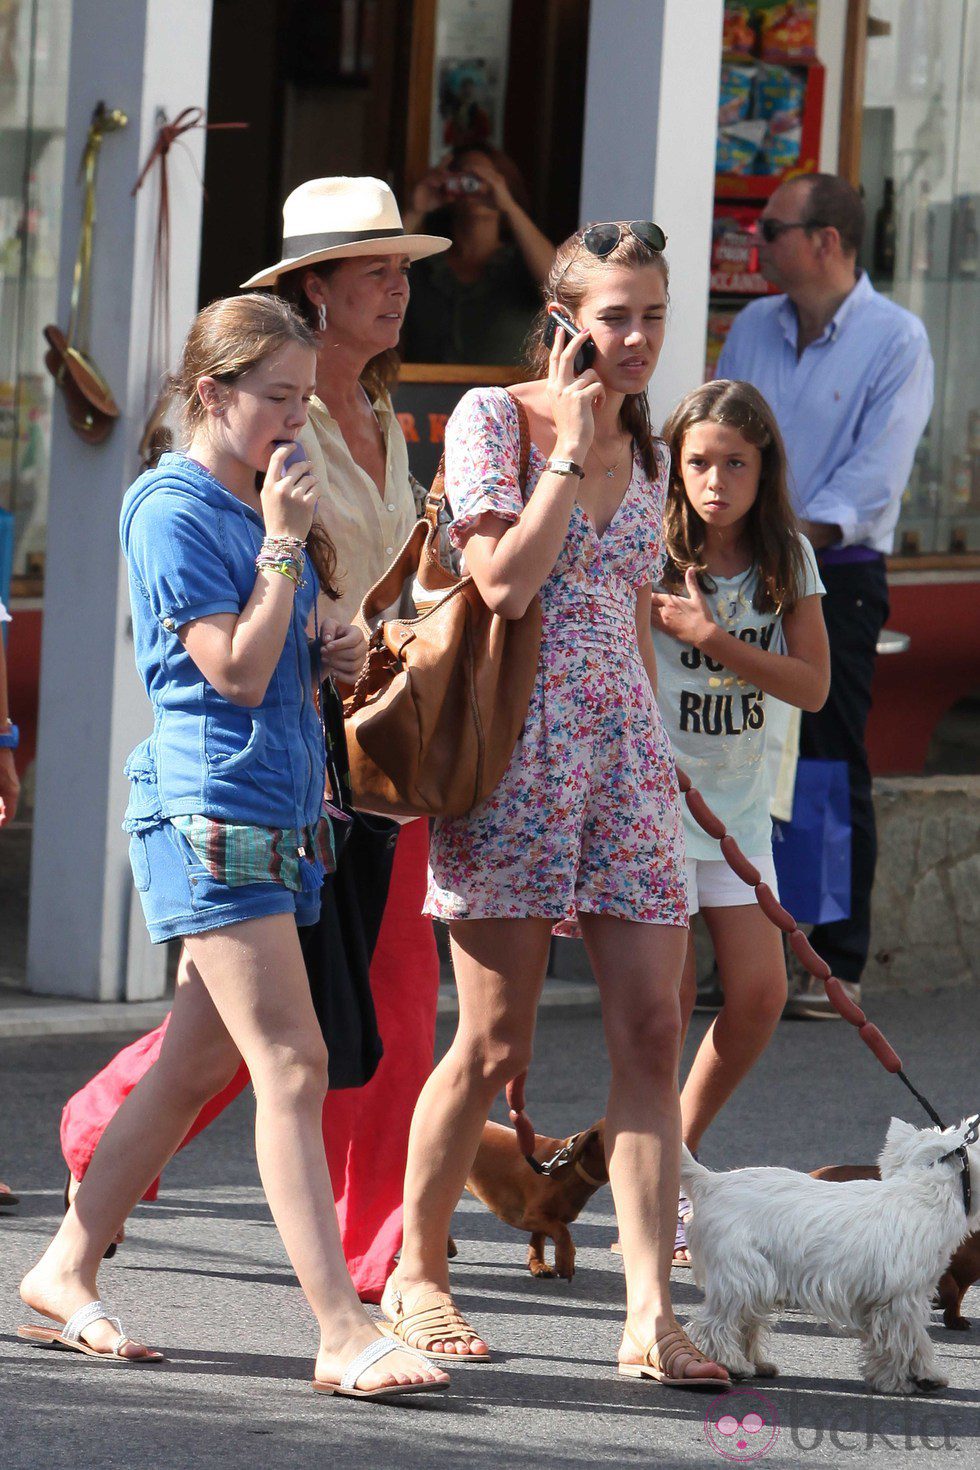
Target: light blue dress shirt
851,408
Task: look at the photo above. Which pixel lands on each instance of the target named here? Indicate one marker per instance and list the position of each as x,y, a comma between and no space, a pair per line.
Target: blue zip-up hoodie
190,546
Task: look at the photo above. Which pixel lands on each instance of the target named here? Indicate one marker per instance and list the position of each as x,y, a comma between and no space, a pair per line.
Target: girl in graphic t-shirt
739,618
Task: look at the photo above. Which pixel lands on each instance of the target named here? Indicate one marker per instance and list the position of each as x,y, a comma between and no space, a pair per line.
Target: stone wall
925,917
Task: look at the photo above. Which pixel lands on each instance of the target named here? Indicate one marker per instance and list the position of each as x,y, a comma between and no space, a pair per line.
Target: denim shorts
179,895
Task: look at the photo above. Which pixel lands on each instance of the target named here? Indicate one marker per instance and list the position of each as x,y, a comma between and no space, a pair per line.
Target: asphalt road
203,1275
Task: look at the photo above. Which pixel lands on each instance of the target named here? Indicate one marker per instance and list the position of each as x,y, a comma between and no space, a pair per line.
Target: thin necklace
609,472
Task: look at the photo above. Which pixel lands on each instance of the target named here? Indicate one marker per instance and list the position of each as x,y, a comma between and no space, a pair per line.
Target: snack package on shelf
735,93
788,31
781,151
734,252
719,324
738,33
779,97
738,146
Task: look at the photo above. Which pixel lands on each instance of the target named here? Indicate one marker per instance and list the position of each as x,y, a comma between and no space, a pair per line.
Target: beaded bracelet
285,569
276,554
283,555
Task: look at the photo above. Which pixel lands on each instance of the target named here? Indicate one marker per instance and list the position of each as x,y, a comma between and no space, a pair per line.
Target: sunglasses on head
771,229
601,240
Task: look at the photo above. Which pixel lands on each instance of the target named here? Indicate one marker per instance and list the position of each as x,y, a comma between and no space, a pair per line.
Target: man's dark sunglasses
601,240
771,229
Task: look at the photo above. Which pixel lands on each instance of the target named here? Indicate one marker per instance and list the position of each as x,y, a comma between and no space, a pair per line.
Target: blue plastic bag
812,853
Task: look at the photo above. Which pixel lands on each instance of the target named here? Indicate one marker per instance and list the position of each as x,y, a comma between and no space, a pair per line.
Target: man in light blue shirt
849,376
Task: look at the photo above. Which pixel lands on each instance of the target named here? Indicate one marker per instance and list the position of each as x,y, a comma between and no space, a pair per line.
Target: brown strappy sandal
434,1318
659,1357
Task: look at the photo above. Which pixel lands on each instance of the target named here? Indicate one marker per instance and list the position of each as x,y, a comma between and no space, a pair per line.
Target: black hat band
296,245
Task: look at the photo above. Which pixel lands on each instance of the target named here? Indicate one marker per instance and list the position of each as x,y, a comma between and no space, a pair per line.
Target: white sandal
365,1359
70,1336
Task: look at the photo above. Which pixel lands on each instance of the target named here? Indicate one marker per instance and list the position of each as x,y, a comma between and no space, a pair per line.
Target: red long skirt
365,1129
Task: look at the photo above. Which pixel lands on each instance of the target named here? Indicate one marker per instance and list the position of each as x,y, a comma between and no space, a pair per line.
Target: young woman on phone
583,834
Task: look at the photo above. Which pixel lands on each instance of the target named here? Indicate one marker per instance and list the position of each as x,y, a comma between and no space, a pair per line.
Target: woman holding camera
476,303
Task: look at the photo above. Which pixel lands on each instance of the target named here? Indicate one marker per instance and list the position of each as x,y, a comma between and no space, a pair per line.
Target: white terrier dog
862,1256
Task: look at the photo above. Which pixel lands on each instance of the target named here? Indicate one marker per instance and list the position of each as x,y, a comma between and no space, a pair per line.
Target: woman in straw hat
345,269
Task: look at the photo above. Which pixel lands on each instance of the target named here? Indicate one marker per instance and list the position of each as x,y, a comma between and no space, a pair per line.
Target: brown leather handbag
439,703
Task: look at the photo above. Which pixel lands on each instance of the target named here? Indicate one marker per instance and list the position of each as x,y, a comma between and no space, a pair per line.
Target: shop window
495,84
920,171
770,115
388,87
33,92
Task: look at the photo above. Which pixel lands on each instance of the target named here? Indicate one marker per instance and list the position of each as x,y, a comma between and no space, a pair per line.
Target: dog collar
589,1178
972,1134
563,1156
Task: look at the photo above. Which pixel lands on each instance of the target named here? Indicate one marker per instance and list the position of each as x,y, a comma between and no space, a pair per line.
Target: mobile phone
296,456
585,356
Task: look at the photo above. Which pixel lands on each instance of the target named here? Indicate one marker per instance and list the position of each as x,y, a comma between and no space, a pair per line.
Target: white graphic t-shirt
717,722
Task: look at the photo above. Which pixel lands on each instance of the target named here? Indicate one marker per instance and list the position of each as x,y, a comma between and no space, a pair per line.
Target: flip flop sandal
69,1337
110,1249
680,1237
434,1318
659,1357
7,1197
347,1389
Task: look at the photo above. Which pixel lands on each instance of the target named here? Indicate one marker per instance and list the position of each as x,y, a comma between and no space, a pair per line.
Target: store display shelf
774,58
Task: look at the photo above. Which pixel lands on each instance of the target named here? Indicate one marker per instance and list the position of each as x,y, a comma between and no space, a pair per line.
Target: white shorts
711,884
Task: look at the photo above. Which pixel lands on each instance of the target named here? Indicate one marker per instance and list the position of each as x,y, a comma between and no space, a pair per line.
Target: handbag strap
437,491
389,588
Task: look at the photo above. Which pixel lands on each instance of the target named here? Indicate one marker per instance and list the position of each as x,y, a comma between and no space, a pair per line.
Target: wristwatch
9,736
565,467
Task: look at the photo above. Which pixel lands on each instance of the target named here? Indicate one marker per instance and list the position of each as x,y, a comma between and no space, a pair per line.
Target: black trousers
855,609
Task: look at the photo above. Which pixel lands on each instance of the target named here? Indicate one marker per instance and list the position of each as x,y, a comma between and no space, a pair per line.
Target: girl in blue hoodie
228,832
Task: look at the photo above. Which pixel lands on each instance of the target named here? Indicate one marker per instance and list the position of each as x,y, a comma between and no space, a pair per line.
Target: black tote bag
338,948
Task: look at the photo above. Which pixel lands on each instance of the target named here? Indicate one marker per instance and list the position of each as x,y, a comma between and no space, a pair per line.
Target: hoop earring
321,318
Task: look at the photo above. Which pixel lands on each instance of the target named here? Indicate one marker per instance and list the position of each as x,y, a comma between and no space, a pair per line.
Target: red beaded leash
799,944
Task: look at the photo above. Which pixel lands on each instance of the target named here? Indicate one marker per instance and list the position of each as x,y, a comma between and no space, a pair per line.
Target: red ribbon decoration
158,335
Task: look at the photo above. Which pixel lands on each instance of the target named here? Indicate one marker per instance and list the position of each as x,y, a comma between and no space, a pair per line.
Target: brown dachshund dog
962,1270
544,1204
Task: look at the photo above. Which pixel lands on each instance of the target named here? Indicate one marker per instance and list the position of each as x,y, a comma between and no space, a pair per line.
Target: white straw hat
327,218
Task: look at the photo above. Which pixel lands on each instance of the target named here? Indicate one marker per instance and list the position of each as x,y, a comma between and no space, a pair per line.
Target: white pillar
649,153
86,935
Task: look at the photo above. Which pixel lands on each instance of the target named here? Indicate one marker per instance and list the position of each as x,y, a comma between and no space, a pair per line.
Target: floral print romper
586,818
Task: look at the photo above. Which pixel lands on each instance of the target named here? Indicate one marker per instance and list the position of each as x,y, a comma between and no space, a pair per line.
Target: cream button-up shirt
366,528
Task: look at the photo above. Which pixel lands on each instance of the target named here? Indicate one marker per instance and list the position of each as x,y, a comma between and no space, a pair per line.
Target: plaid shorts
236,854
180,897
